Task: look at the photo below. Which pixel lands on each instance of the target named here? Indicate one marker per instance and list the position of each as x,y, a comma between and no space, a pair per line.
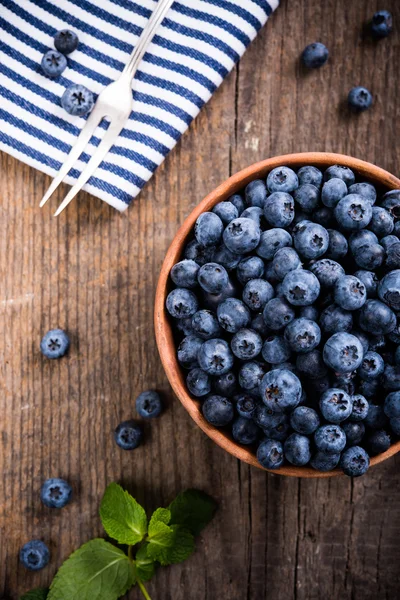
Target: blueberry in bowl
277,315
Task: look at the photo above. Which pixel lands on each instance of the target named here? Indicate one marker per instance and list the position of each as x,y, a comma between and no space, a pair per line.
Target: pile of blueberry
287,309
315,55
77,100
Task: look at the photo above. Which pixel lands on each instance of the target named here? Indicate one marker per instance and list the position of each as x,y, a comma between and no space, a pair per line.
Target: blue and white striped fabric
197,45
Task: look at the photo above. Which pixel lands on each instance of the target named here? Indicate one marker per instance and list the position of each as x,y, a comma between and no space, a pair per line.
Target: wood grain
94,272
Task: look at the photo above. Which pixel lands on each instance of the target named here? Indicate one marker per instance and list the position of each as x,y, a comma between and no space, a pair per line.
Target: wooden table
94,272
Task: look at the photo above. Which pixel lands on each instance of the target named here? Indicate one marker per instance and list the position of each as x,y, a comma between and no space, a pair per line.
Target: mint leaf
192,509
161,538
123,518
97,571
37,594
145,566
162,515
183,546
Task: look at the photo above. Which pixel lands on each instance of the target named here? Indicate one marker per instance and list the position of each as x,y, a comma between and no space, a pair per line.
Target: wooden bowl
164,333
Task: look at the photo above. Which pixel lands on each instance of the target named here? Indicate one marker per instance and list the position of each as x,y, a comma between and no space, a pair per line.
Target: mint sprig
98,569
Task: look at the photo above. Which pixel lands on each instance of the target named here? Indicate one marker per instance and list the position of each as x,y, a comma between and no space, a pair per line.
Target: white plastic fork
115,103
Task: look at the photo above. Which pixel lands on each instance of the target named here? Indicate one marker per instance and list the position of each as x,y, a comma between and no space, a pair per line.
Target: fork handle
146,37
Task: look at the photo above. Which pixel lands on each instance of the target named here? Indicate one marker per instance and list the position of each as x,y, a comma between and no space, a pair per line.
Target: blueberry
225,385
218,411
275,350
364,339
341,172
370,256
280,390
391,201
393,257
303,335
370,281
359,98
378,442
198,382
205,324
353,212
376,418
269,273
395,426
55,343
311,240
34,555
394,336
364,189
66,41
282,179
184,325
242,235
381,24
391,405
311,364
279,209
338,246
361,238
188,350
255,213
128,435
266,418
251,267
226,211
149,404
53,64
315,55
354,432
256,193
382,222
215,357
334,319
200,254
307,197
184,274
368,388
238,202
246,344
330,438
208,229
327,272
270,454
321,461
246,405
377,318
335,405
56,493
301,287
333,191
256,294
297,449
284,261
389,290
354,461
343,352
77,100
278,431
245,431
304,420
258,324
372,366
278,313
250,375
324,216
181,303
310,174
213,278
233,315
225,257
309,312
349,292
271,241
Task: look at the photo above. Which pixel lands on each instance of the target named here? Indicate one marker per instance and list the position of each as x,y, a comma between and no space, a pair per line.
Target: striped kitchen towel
196,46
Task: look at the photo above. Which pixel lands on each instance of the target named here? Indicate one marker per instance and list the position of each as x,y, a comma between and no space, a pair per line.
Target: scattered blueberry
128,435
381,24
359,98
56,493
55,343
77,100
66,41
34,555
315,55
53,63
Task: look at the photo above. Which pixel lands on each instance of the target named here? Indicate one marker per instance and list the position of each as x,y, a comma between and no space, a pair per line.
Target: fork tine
86,133
106,143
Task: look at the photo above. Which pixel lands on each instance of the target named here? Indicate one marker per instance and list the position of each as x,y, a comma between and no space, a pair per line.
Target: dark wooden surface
94,272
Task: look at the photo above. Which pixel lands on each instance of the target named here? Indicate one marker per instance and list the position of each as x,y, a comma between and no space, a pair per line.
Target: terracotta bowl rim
163,330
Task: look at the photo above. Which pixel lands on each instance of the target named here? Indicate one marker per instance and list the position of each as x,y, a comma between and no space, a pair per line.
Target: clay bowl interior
164,334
